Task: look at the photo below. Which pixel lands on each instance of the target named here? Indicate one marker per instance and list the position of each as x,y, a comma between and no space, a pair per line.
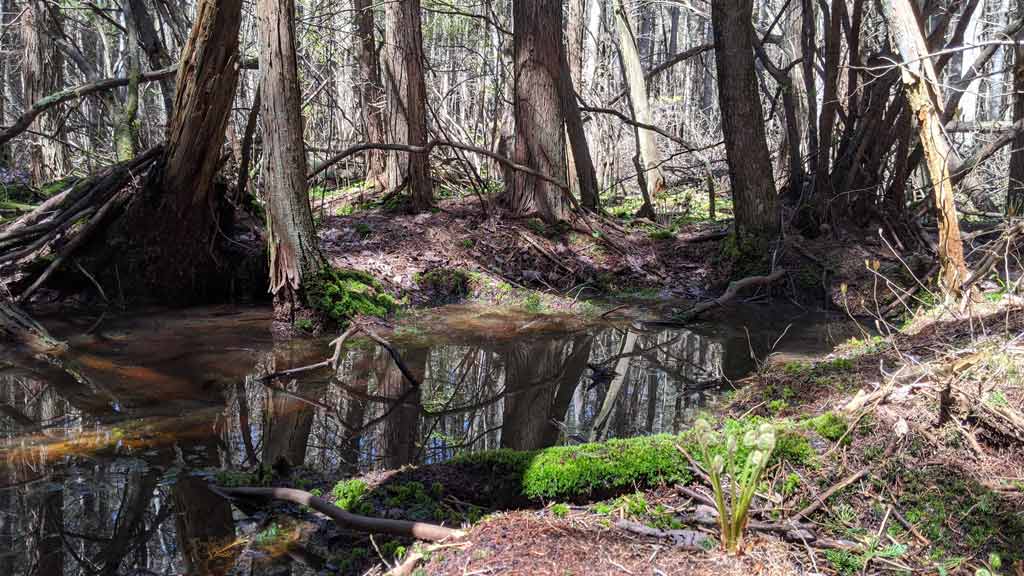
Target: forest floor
460,252
903,453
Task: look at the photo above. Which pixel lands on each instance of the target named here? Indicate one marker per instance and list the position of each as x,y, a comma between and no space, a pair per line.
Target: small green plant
560,510
844,562
268,536
468,243
778,405
829,426
533,303
363,229
351,495
790,484
734,483
995,562
304,324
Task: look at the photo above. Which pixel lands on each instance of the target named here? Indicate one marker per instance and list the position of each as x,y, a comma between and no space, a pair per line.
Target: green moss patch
447,284
343,293
829,426
586,471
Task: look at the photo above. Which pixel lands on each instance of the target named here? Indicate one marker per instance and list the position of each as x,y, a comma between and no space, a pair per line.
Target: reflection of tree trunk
539,384
401,427
286,431
51,527
244,428
130,519
652,400
202,524
621,371
353,412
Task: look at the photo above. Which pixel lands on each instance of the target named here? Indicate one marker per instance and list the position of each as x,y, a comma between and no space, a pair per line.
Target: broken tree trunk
923,95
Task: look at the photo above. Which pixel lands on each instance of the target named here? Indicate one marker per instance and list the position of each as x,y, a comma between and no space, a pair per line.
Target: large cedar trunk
540,132
167,244
370,94
750,169
406,95
41,73
295,255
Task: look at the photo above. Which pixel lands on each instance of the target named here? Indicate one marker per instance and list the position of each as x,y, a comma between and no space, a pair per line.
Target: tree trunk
171,230
649,154
406,94
125,133
41,73
540,127
1015,189
750,169
581,174
921,88
154,48
295,255
823,190
371,94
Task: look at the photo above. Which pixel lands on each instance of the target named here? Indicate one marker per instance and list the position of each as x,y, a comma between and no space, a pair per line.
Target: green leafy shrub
560,510
734,492
351,495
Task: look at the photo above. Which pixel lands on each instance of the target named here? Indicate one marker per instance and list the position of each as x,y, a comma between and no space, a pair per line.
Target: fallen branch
730,293
819,500
417,530
690,540
23,122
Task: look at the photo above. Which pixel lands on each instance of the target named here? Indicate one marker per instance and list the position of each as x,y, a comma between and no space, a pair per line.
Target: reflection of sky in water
88,476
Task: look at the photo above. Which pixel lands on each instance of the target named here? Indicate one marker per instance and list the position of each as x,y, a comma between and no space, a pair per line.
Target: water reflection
95,474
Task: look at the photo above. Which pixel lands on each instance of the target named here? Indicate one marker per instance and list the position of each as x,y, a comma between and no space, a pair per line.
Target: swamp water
96,475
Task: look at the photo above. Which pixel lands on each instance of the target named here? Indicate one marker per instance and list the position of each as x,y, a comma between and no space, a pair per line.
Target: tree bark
371,94
154,48
1015,188
823,190
649,154
750,169
921,88
540,126
295,257
125,133
41,73
406,95
580,171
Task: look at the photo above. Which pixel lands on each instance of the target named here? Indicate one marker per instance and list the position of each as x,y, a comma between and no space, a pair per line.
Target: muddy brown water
96,471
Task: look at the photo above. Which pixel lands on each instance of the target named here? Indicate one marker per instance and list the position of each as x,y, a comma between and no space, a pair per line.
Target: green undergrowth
596,470
959,516
448,284
343,293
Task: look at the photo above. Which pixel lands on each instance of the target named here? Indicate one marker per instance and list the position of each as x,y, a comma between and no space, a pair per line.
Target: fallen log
417,530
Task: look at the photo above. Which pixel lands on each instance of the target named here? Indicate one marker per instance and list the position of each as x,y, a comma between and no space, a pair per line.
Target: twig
819,500
730,293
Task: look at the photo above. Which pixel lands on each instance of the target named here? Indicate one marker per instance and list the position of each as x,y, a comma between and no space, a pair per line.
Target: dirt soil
401,248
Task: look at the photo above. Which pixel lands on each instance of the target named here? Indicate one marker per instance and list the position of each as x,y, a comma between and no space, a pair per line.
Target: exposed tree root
92,200
730,293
